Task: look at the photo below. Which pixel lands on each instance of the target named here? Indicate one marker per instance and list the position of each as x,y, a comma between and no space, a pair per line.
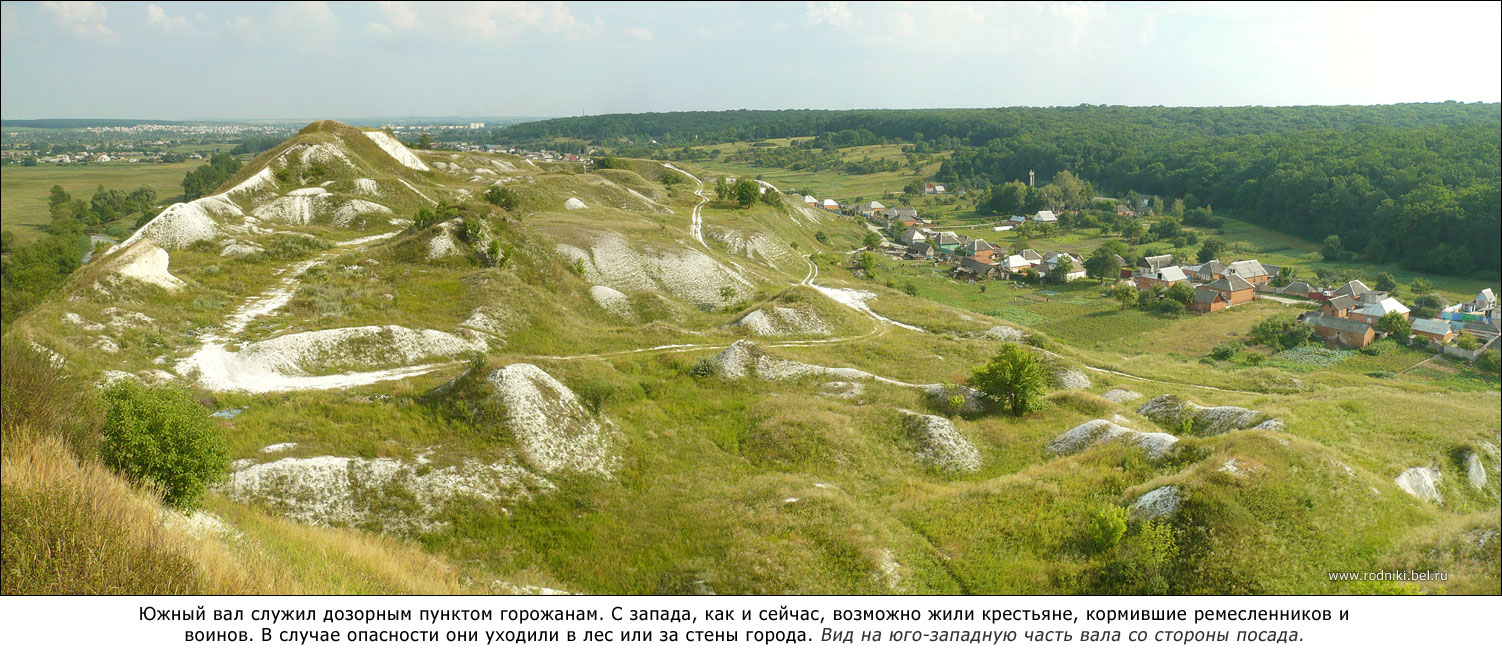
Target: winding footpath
696,220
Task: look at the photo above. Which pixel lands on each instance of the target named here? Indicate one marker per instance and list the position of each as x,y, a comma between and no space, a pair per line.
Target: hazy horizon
301,61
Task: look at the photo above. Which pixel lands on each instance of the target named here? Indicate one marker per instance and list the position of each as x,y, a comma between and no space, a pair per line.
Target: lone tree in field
1124,294
1014,378
872,240
1101,265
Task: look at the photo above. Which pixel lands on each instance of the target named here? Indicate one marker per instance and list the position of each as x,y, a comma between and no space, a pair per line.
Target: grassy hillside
549,389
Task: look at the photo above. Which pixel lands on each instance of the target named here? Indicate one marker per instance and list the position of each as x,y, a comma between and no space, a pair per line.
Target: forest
1413,183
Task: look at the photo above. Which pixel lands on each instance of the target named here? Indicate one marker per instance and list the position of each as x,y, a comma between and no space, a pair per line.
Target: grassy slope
703,501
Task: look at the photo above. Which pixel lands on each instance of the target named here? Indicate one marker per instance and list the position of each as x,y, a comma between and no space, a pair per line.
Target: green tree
1005,199
1014,378
1058,274
1421,286
58,196
1393,323
1331,249
1124,294
425,142
1181,293
1102,265
1490,360
722,189
867,263
872,240
1212,248
1386,283
747,192
1107,527
164,436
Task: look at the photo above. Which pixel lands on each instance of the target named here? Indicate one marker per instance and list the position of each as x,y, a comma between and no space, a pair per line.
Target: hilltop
527,376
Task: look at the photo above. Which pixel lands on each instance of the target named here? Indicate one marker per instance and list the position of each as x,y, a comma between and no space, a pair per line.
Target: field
26,187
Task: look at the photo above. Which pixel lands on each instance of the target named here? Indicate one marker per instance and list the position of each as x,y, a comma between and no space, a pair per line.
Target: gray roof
1031,254
975,266
1342,302
1432,326
921,248
1203,294
1155,262
1352,289
1337,323
1246,269
1231,283
1297,287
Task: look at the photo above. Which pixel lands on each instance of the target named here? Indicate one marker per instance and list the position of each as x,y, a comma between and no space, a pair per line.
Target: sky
306,60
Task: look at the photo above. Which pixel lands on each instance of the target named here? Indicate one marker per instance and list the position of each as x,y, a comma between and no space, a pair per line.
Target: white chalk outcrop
144,261
358,491
940,444
613,301
1156,504
1421,482
1155,445
780,321
1170,410
553,428
574,204
396,150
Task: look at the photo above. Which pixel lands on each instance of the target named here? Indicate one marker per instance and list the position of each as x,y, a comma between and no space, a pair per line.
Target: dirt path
696,220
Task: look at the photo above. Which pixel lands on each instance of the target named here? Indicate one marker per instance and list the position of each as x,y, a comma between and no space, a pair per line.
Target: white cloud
157,18
401,15
504,20
377,29
84,19
639,33
833,14
310,25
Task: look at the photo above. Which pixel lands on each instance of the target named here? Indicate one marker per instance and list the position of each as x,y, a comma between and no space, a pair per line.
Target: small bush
1107,527
1225,351
705,367
1254,358
164,436
1490,361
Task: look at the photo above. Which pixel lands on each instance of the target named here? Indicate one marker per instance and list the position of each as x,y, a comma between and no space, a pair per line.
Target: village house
912,236
1353,289
1206,272
869,210
1345,332
1338,306
931,188
1164,277
1123,210
830,205
1375,305
978,248
920,250
1152,263
1437,331
1230,291
1045,216
947,242
900,214
1251,271
1074,268
1032,257
1299,288
1207,300
810,201
977,268
1015,264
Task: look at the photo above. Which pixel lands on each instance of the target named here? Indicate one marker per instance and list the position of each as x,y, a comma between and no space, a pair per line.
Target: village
1350,316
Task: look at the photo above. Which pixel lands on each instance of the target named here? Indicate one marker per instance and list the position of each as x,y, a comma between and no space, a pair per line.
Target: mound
1156,504
359,491
1121,395
1101,430
1421,482
940,444
396,150
684,273
613,302
298,207
778,321
1005,334
1170,410
554,430
1070,378
182,224
283,363
145,262
974,401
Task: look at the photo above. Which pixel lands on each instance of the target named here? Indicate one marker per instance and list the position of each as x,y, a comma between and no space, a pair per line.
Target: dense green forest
1415,183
